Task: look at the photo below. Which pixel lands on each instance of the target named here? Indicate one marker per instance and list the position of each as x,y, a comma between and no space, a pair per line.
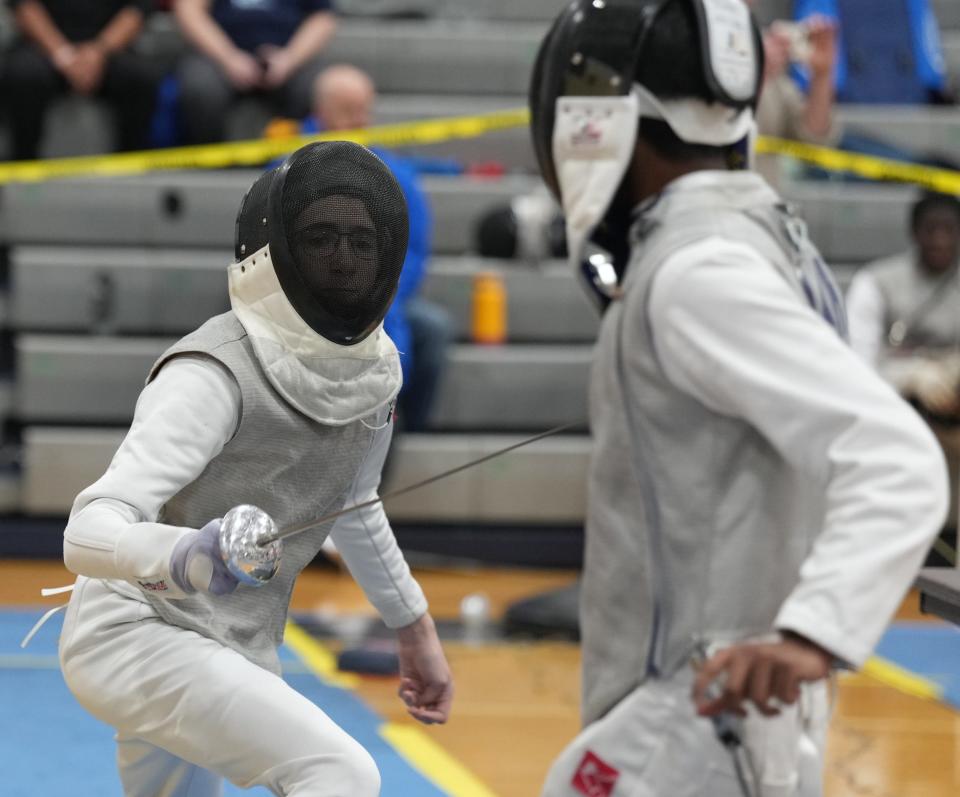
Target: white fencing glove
196,563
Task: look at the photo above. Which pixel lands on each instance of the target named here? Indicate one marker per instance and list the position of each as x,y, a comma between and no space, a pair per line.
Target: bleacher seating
103,274
96,379
951,52
541,484
851,222
198,209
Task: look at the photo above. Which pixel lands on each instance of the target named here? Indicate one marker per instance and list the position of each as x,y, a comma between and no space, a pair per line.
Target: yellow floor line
420,751
902,680
321,661
433,761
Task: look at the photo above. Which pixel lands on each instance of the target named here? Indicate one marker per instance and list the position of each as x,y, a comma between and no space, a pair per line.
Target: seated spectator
889,52
269,47
343,100
65,46
905,319
784,110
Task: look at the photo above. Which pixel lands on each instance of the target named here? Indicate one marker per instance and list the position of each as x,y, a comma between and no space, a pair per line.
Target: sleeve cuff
847,650
398,614
143,557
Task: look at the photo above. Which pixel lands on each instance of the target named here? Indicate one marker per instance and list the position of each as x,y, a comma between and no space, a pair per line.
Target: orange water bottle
489,321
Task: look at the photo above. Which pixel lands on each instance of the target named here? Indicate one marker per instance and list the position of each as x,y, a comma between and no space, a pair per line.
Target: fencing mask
587,105
320,242
336,223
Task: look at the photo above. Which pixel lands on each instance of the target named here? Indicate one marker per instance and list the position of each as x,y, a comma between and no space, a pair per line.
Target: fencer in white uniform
285,402
759,501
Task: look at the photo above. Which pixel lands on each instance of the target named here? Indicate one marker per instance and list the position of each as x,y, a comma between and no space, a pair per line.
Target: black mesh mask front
336,222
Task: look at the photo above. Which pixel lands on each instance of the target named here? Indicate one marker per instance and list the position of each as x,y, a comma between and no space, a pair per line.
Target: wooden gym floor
517,703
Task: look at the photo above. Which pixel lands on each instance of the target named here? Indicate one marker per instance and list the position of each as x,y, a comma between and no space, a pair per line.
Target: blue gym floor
50,746
930,652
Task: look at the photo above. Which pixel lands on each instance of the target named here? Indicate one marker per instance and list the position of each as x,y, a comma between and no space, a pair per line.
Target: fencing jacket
210,431
898,290
750,472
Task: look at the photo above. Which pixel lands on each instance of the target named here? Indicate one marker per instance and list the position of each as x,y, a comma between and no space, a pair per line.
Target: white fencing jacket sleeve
183,419
865,316
730,332
365,541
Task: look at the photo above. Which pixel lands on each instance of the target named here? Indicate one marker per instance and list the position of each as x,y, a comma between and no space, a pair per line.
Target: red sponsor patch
594,777
154,586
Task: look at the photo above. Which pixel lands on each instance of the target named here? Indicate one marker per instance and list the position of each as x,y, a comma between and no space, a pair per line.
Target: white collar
331,383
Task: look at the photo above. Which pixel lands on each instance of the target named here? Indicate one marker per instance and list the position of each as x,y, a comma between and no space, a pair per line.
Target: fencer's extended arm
183,419
731,332
365,541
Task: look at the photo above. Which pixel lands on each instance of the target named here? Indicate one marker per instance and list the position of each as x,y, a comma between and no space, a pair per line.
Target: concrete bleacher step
545,303
454,57
542,483
138,291
535,10
198,209
854,222
89,379
83,126
929,130
850,222
96,379
947,13
511,148
951,51
458,203
116,289
6,398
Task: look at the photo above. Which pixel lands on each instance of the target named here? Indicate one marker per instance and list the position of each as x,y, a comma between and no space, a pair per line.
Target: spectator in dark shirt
81,46
268,46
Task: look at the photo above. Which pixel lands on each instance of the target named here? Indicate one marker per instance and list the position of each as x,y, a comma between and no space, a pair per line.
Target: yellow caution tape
835,160
431,131
259,151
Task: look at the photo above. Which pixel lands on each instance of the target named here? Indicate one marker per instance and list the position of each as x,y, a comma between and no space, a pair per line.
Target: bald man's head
343,98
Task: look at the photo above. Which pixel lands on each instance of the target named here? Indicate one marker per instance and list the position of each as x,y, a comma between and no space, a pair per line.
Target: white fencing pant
653,744
188,710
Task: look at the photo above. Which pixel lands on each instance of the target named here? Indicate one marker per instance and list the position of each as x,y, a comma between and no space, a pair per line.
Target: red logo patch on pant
594,777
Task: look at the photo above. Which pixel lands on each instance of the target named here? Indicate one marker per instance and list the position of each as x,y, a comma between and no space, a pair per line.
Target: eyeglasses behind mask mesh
326,238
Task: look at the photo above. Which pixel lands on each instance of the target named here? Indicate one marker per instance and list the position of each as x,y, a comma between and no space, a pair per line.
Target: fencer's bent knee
346,772
365,774
357,772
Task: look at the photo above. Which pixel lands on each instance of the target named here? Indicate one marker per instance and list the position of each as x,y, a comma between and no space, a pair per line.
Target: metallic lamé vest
280,460
696,526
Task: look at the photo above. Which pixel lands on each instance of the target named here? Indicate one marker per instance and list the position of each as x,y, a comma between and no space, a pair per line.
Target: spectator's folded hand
243,70
88,68
279,66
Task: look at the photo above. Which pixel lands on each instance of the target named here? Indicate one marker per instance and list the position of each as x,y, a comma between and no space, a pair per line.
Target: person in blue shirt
343,99
271,47
889,50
